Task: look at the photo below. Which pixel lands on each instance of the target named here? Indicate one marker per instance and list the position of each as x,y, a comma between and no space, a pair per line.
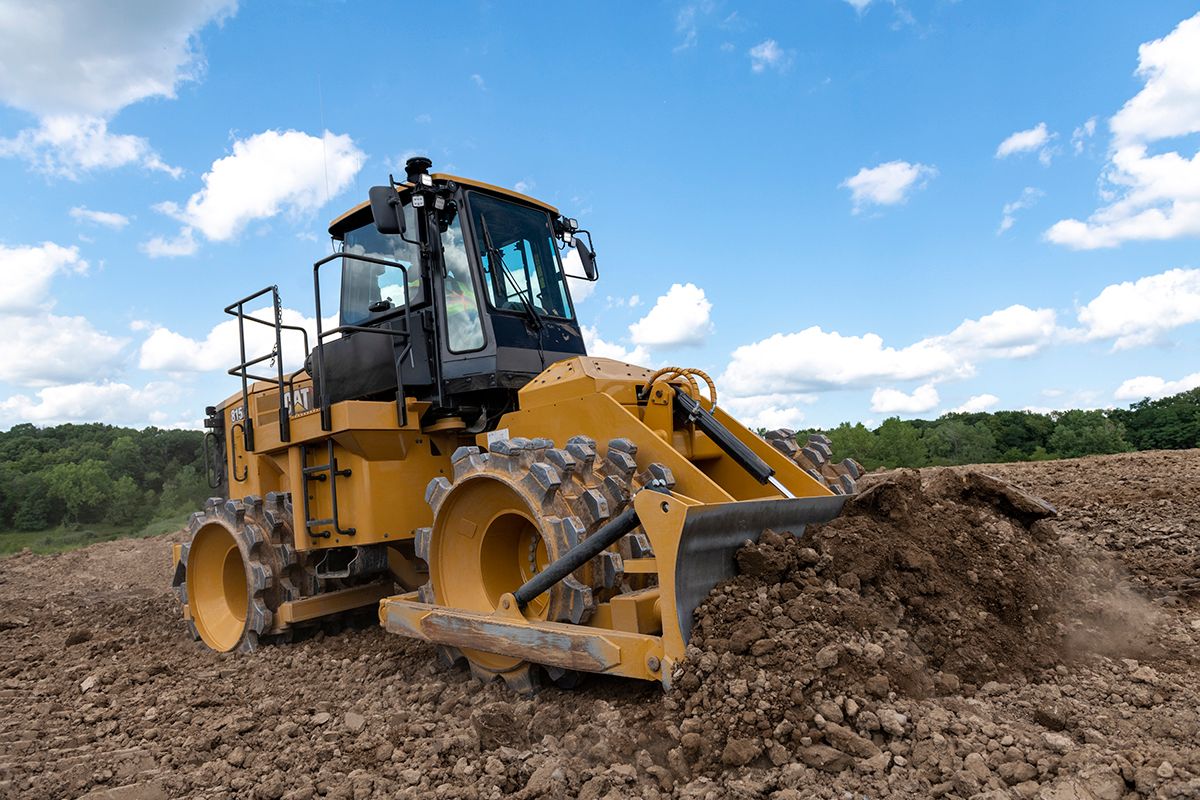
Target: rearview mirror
386,210
587,259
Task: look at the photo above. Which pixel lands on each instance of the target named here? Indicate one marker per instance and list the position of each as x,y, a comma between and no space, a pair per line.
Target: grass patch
64,538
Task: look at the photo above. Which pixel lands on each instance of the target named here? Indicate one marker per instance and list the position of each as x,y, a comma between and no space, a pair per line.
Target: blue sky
841,210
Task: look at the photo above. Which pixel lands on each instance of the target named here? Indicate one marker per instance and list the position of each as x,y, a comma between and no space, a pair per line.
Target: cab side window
367,286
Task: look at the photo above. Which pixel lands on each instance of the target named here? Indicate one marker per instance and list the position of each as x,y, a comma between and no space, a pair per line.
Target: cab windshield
526,268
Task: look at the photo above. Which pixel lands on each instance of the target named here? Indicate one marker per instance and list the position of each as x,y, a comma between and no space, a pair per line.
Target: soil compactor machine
450,454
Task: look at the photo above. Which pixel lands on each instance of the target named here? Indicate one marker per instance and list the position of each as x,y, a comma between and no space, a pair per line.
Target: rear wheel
240,567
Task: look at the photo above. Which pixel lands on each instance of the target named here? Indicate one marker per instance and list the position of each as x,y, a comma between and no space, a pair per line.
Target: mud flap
179,555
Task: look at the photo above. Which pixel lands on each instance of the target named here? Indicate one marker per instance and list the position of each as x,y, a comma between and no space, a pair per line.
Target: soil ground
947,637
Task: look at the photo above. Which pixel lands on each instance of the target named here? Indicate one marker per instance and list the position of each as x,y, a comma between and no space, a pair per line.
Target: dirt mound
948,587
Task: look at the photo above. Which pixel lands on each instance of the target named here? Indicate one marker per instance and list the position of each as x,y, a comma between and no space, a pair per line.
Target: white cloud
477,79
768,54
1158,197
580,289
977,403
1014,332
1149,195
687,25
267,173
894,401
633,301
601,349
1080,135
76,63
27,272
46,349
116,403
1140,312
70,145
1029,196
859,5
814,360
1035,139
1155,387
182,244
39,347
81,57
768,411
680,318
887,184
1169,103
169,351
109,219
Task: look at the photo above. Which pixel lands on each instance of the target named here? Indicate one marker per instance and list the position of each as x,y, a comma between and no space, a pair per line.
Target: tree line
88,474
1171,423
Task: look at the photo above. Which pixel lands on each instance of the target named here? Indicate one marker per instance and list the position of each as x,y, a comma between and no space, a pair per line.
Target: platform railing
319,353
242,370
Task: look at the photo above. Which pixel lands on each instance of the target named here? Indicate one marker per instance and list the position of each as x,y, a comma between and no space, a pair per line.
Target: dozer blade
694,549
713,533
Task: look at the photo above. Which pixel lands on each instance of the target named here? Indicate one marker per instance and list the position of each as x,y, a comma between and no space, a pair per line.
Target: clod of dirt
498,724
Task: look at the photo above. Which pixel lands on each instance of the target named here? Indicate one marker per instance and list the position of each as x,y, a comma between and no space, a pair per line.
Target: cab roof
361,214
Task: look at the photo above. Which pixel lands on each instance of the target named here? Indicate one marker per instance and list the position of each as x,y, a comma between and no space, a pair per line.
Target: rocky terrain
948,636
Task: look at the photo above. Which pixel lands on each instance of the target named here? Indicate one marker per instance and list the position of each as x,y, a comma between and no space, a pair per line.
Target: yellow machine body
714,506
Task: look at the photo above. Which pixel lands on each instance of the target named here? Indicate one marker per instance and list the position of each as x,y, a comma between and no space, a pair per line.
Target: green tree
1019,433
185,490
83,489
127,504
898,444
125,459
853,441
954,441
1085,433
1170,423
32,508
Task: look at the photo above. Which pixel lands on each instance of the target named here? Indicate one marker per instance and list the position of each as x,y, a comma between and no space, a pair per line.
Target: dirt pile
822,649
944,638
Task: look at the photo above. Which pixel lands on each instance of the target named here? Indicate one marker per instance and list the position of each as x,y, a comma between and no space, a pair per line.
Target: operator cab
469,277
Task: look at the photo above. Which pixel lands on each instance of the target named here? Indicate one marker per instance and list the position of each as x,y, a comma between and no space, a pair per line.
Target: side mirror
587,259
386,210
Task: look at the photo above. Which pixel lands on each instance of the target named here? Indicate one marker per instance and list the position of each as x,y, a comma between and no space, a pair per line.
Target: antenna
324,149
